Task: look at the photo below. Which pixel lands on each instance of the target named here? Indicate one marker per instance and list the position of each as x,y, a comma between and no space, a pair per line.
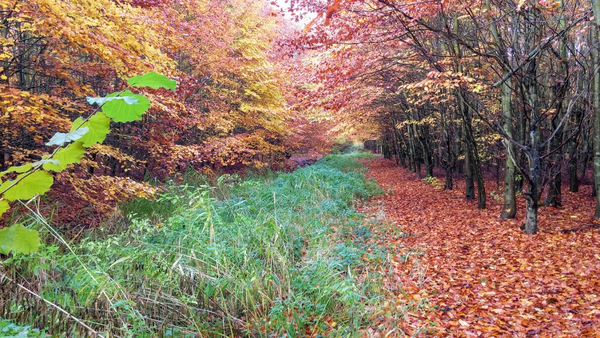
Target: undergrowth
271,255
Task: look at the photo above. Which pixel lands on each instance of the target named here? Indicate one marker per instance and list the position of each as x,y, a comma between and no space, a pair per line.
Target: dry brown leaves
479,276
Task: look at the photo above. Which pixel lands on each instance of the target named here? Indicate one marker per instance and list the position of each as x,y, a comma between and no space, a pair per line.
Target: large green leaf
71,154
28,186
120,111
98,125
152,80
18,239
3,206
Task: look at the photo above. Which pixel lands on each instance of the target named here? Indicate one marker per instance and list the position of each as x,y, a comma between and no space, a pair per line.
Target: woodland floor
465,272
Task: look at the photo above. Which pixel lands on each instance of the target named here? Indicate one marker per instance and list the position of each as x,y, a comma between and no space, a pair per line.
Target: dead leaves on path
463,272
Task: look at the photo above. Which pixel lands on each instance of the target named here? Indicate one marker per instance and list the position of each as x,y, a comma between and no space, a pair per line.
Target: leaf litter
463,272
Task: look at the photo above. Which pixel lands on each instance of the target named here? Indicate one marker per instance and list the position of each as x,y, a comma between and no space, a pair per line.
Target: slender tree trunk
509,209
596,9
554,197
585,153
401,143
426,150
472,161
535,162
475,163
447,158
469,182
417,149
412,157
572,154
395,143
597,127
385,148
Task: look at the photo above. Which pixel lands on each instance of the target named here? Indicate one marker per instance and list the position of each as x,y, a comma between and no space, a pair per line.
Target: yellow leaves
101,191
111,31
107,150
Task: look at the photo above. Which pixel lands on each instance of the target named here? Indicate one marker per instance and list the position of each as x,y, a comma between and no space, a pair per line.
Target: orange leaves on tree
228,109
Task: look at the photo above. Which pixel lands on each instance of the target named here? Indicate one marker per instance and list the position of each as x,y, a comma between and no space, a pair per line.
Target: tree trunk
554,197
596,9
447,158
426,150
509,209
416,158
597,126
573,156
473,155
585,155
470,184
412,161
401,143
535,162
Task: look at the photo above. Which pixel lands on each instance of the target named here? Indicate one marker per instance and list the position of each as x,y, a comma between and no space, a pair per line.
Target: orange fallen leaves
479,276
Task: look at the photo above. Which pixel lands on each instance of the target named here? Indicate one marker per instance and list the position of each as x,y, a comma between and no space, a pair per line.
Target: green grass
8,329
265,255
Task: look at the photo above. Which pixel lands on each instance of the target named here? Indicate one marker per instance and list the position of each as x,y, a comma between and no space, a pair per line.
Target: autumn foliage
229,110
464,86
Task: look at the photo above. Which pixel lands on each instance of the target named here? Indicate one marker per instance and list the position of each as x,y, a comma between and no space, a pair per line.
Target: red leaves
483,277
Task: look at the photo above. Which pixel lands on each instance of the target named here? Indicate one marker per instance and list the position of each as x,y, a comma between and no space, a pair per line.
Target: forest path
473,274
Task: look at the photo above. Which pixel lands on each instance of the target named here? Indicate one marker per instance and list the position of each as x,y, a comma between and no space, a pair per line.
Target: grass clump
259,256
8,329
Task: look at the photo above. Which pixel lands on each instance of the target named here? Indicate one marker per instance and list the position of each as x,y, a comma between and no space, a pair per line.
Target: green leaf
61,138
120,111
19,169
18,239
98,125
71,154
3,206
28,185
102,100
152,80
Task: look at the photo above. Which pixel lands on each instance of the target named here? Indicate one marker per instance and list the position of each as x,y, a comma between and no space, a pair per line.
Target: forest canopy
231,110
150,180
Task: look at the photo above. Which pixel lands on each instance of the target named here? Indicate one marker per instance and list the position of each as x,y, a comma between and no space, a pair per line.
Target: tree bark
469,182
535,162
596,9
509,209
473,154
412,157
554,197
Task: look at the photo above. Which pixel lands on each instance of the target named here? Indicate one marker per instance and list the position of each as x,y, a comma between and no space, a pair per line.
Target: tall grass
261,256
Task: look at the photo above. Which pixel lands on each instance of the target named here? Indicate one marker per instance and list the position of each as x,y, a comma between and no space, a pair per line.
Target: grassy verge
261,256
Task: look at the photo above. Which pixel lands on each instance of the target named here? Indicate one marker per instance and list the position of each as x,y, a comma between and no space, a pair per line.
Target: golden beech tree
228,109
